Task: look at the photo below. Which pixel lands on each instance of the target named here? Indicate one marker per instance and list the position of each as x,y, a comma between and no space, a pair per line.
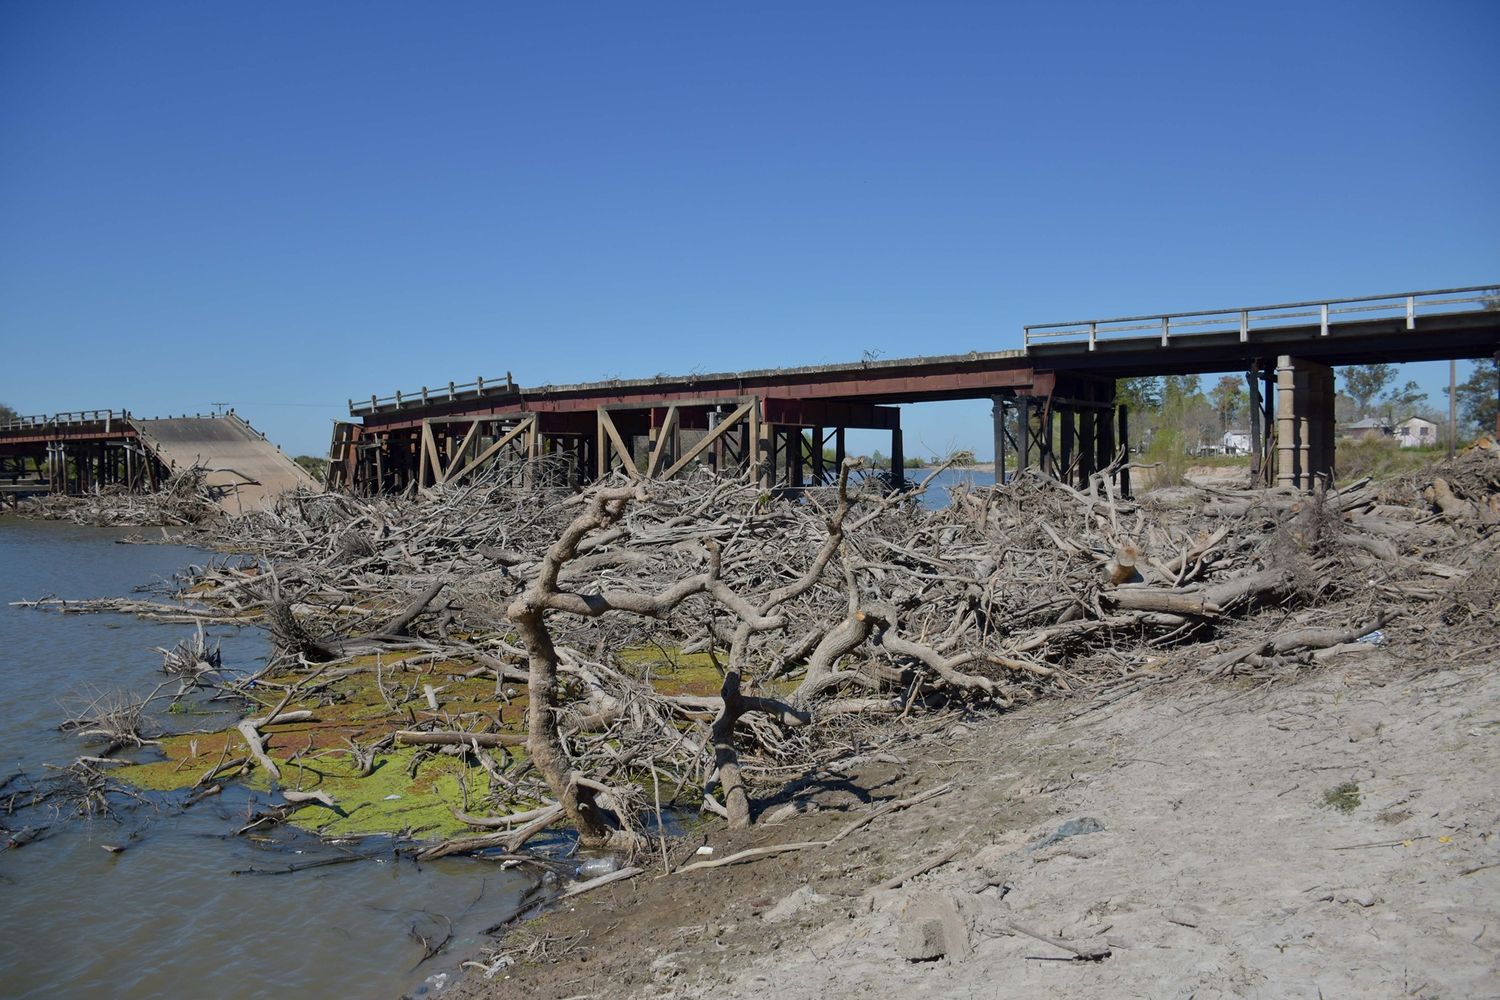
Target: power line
316,406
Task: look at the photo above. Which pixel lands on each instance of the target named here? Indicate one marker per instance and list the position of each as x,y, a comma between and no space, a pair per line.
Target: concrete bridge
1054,402
84,450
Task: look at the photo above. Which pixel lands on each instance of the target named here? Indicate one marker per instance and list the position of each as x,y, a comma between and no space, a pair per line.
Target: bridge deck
1415,326
899,380
782,416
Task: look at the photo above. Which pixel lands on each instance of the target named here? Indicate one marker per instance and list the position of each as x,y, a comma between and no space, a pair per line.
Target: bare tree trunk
543,741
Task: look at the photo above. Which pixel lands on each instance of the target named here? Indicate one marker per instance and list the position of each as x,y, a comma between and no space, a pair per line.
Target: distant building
1416,432
1370,427
1236,442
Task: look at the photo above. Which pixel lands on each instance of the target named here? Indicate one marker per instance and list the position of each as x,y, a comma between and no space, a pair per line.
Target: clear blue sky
281,205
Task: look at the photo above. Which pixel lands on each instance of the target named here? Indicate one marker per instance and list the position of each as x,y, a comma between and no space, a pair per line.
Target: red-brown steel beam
823,413
866,388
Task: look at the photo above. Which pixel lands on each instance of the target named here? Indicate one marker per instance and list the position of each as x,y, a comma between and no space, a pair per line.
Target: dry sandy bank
1221,868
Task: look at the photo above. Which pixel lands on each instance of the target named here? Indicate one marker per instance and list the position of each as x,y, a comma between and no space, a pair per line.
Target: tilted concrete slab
246,471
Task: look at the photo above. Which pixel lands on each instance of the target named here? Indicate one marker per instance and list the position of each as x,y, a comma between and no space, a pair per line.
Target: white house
1417,433
1236,442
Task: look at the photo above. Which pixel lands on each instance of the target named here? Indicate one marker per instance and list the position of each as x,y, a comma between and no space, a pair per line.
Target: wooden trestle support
784,441
1070,433
78,461
1069,428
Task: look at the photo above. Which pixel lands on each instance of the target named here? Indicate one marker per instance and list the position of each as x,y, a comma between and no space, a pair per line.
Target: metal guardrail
66,419
451,391
1247,321
75,418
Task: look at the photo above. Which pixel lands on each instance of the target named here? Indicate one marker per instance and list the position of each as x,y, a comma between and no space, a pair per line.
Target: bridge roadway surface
1427,326
245,470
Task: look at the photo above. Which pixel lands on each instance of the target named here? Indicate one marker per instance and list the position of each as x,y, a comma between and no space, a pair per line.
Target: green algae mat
408,791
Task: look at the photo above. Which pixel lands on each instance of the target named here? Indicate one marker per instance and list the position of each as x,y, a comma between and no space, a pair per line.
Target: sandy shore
1329,835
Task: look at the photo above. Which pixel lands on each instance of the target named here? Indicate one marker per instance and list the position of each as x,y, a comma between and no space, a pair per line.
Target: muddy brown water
167,917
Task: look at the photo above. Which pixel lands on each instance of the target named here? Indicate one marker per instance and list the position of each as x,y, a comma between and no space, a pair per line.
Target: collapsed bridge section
81,451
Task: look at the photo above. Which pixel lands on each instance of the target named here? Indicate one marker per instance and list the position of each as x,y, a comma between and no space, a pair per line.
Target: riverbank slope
1328,835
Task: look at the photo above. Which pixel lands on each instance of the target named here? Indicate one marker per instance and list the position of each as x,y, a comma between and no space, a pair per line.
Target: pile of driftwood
832,616
184,499
838,621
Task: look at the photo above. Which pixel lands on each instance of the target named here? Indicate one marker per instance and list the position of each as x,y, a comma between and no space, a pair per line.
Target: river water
167,918
937,491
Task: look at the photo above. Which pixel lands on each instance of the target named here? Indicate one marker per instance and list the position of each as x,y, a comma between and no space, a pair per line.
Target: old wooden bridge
1054,402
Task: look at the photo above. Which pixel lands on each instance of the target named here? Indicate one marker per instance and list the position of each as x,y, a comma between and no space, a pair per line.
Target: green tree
1229,397
1179,389
1477,396
1398,404
1477,403
1139,394
6,413
1365,382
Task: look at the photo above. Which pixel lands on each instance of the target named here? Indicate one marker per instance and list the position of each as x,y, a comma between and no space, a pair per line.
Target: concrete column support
1304,423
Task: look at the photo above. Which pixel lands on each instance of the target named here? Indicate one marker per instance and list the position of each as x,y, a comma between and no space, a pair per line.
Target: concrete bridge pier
1304,423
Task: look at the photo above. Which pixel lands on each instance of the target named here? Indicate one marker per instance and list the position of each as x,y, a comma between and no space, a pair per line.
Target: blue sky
282,205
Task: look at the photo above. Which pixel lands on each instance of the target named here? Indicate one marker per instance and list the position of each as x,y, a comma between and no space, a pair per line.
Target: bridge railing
425,395
1248,321
69,418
